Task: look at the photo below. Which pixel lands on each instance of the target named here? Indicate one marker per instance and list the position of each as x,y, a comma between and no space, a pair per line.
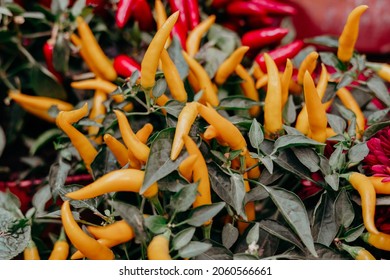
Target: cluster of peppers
133,153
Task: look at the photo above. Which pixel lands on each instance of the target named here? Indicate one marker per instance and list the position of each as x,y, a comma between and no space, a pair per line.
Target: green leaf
61,53
371,130
324,222
329,59
10,203
294,212
308,157
3,141
193,249
324,40
160,88
289,111
287,141
343,209
268,163
91,203
156,224
354,233
182,238
159,163
256,194
175,53
337,123
357,153
46,137
78,7
333,181
377,116
253,234
103,163
281,232
236,103
40,198
174,107
256,135
346,79
238,194
133,217
213,58
57,176
224,38
12,242
204,213
337,158
45,83
288,161
215,253
184,198
379,88
229,235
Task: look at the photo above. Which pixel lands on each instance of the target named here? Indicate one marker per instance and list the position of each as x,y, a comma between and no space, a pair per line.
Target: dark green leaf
46,137
12,243
288,161
324,222
289,111
324,40
61,53
377,116
229,235
174,107
343,208
224,38
40,198
308,157
156,224
337,158
238,194
213,58
379,88
160,88
256,135
204,213
236,103
91,203
45,83
133,217
294,212
57,176
253,234
159,163
357,153
292,130
281,232
183,237
346,79
371,130
333,180
11,203
354,233
256,194
329,59
337,123
215,253
193,249
268,163
172,182
175,52
103,163
287,141
184,198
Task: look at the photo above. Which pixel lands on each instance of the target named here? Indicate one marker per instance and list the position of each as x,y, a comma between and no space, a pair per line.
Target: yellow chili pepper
125,180
211,132
185,120
117,148
249,89
322,83
91,248
186,167
286,80
315,111
257,72
161,17
200,173
144,132
357,252
226,129
97,114
93,50
309,63
151,58
379,240
205,83
31,251
172,76
119,230
99,84
195,35
350,103
192,79
61,248
350,33
379,186
109,243
229,65
64,121
158,248
39,105
140,150
366,190
273,119
381,69
262,81
255,172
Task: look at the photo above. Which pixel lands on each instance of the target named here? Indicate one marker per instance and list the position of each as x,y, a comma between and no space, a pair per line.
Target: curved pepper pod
379,240
158,248
125,180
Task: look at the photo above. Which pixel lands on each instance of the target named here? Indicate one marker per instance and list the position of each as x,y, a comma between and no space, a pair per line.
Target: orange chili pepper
357,252
172,76
286,80
158,248
125,180
97,114
195,35
273,119
117,148
95,53
309,63
185,120
350,103
31,251
119,230
350,33
229,65
379,240
144,132
379,186
211,133
381,69
109,243
249,89
205,83
61,248
186,167
64,121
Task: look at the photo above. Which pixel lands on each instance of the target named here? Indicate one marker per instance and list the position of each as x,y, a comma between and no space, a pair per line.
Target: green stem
156,203
207,231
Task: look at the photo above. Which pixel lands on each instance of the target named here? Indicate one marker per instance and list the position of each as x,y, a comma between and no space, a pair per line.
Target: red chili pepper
143,15
192,13
276,8
123,12
125,65
281,54
264,36
180,31
179,5
219,4
242,8
48,49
